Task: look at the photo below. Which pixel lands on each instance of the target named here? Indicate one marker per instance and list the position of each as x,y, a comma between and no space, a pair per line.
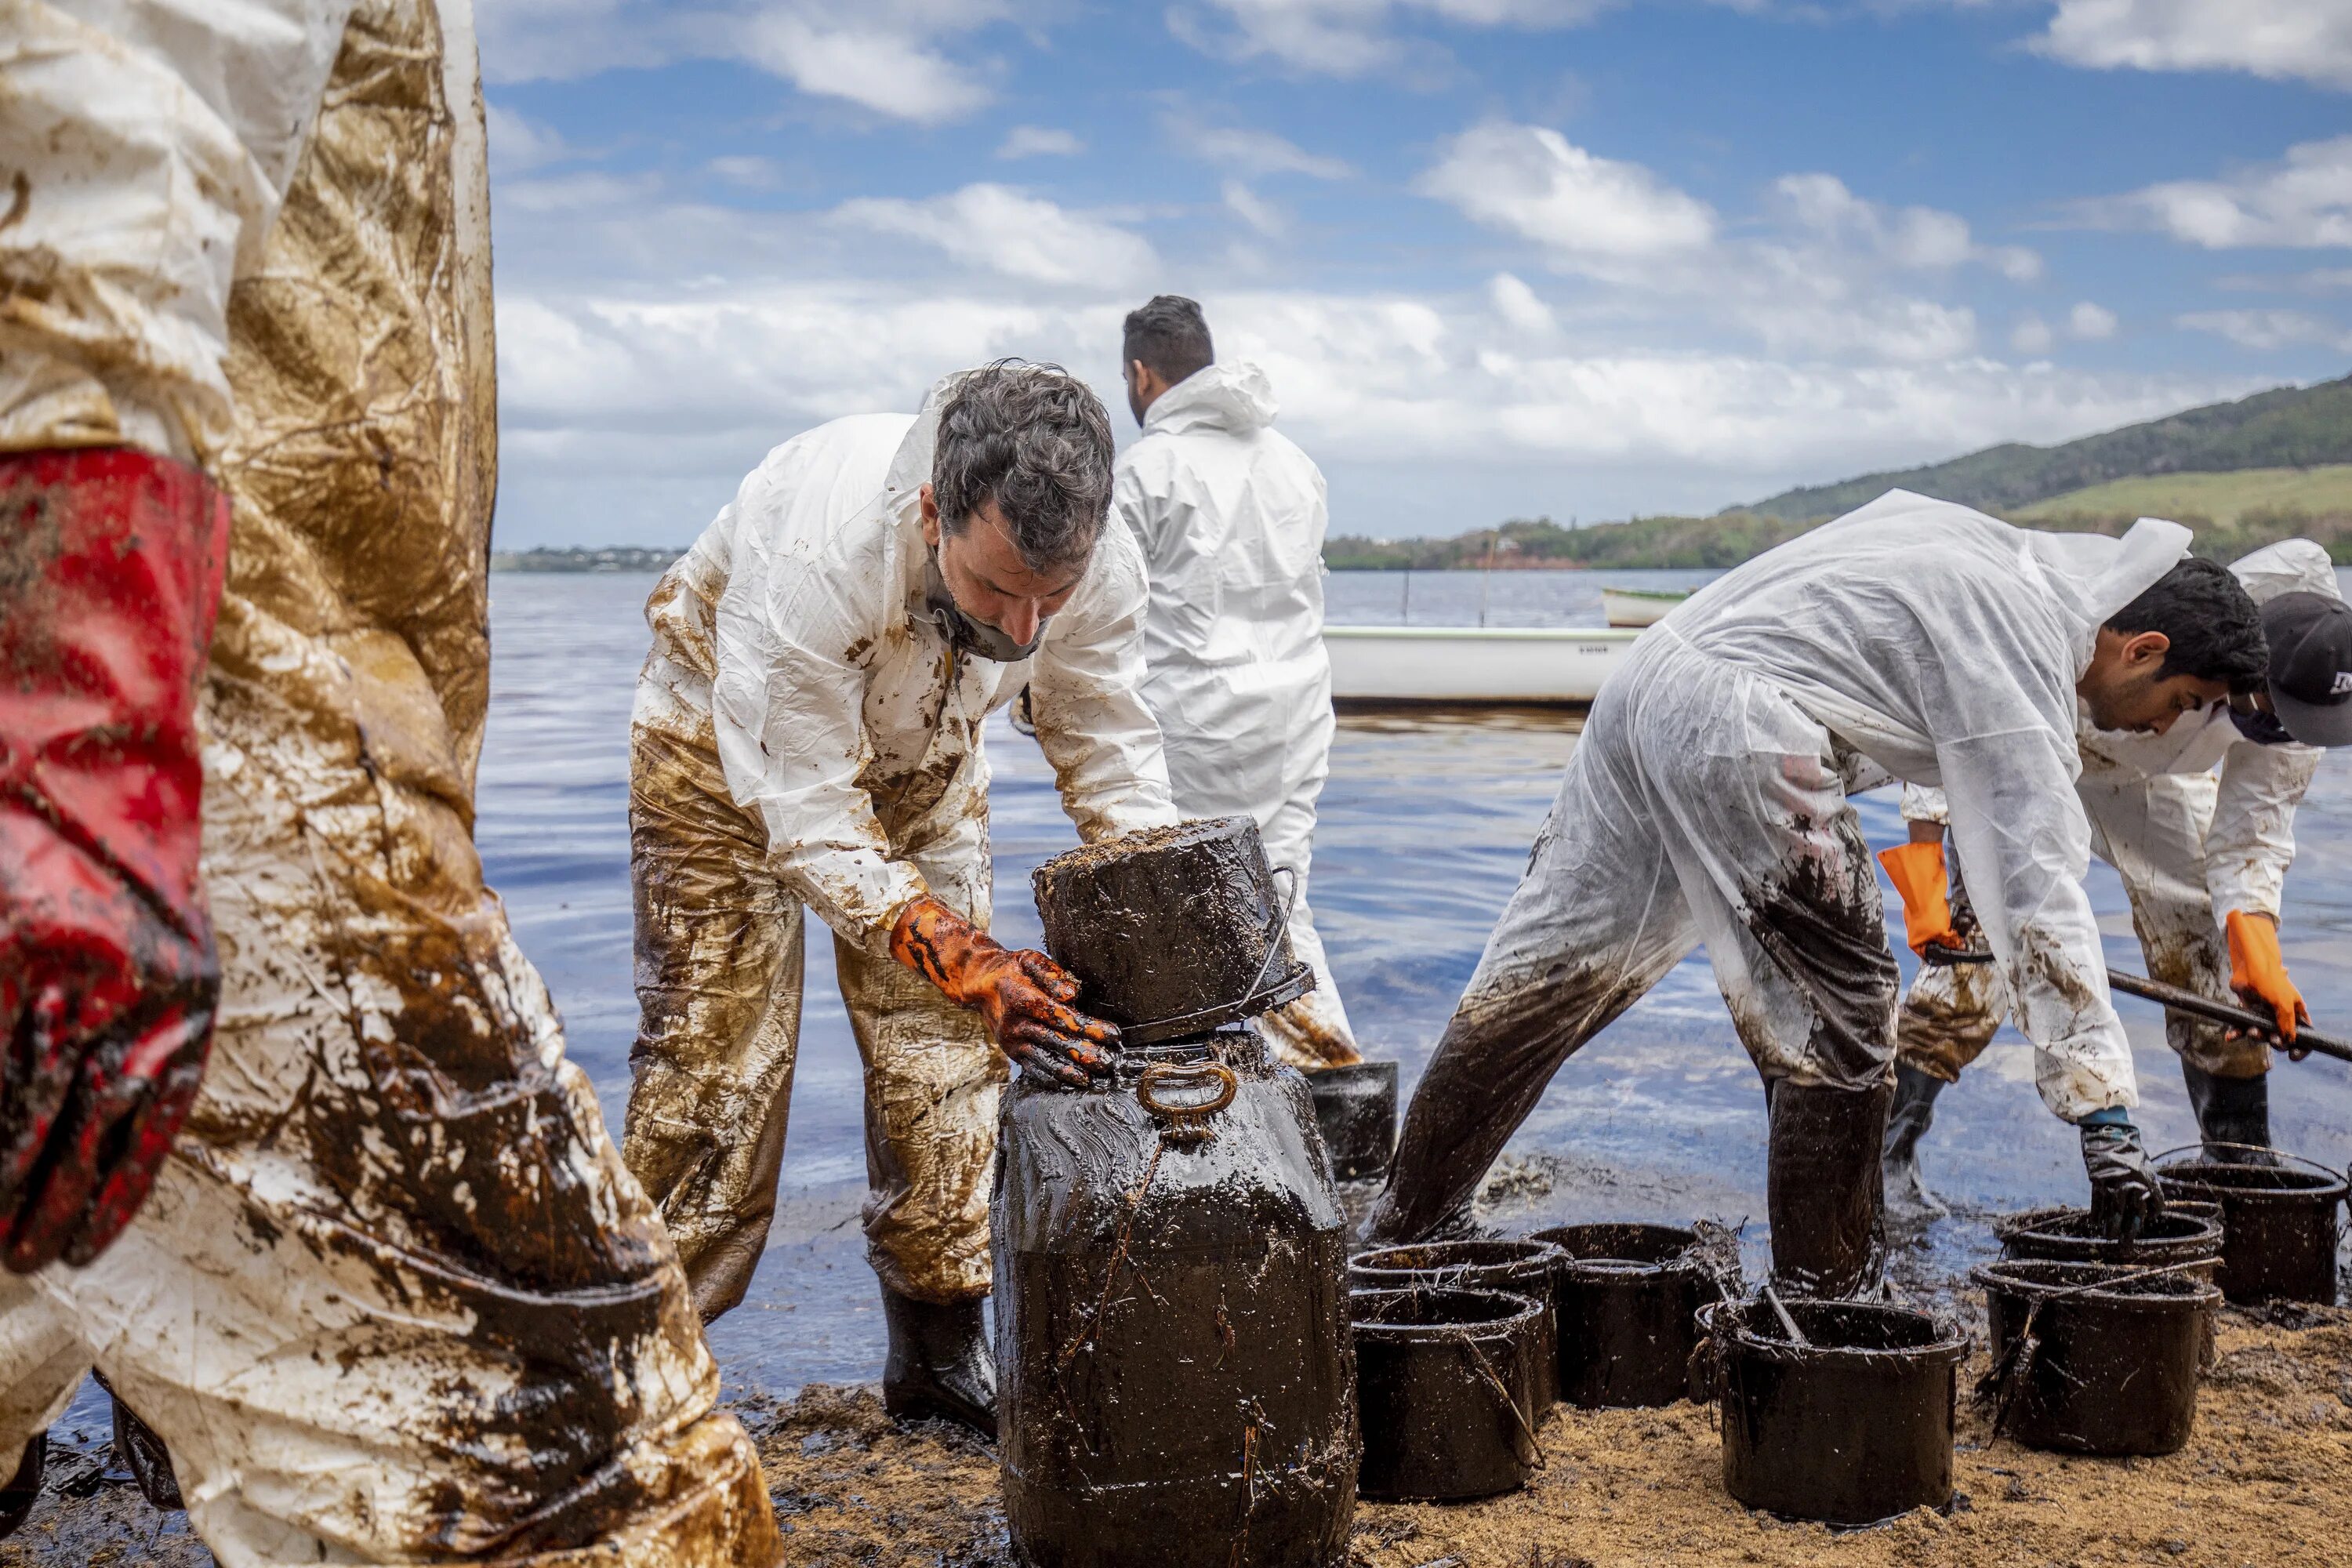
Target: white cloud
2303,201
2091,322
1913,237
2270,329
2281,39
1532,182
1353,37
890,73
2031,336
1039,141
1254,210
519,144
1519,307
749,171
1250,151
1012,233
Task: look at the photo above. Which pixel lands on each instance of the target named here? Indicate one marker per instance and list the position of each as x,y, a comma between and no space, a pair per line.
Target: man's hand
1916,869
110,566
1024,997
2258,971
2124,1191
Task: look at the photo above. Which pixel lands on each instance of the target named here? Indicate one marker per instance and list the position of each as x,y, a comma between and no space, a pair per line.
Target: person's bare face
988,579
2124,689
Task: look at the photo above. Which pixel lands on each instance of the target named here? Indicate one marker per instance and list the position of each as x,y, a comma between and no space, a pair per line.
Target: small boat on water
1638,608
1471,667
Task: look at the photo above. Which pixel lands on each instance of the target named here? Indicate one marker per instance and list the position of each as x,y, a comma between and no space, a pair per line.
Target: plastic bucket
2181,1234
2279,1224
1852,1428
1627,1297
1522,1267
2110,1368
1445,1383
1356,1107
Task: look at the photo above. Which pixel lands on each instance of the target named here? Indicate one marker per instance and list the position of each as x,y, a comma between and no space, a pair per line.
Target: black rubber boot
939,1366
2230,1109
142,1453
24,1488
1914,1113
1823,1189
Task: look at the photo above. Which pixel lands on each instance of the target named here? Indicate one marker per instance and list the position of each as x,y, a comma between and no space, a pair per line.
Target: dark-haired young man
1706,803
808,732
2199,823
1231,516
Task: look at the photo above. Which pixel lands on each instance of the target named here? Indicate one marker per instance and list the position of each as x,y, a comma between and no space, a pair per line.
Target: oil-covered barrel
1177,1382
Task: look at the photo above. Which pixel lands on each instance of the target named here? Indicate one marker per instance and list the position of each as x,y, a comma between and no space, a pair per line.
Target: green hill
2224,499
2286,427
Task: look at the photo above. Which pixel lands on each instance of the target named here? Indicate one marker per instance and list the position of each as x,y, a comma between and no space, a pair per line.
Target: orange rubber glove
1022,996
2258,974
1917,872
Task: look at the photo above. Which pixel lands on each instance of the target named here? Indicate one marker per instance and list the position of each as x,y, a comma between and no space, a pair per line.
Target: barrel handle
1187,1123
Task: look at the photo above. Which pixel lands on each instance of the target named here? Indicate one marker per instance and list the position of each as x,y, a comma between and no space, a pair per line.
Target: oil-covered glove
1023,996
2258,971
2124,1191
1917,872
111,565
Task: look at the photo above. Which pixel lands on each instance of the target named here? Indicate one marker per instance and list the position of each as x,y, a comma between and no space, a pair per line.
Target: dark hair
2215,630
1170,335
1035,440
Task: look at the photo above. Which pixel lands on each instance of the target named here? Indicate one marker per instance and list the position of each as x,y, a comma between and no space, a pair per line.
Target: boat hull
1472,667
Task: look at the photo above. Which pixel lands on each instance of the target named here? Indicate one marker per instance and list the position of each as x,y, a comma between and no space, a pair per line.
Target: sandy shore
2265,1480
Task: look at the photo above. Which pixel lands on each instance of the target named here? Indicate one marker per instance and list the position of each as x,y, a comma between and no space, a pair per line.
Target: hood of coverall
1236,397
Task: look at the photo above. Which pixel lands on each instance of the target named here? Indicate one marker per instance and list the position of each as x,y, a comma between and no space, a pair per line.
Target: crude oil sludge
2091,1358
1627,1297
1447,1380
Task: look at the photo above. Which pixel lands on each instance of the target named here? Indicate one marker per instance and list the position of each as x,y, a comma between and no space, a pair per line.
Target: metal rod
1788,1324
2180,1001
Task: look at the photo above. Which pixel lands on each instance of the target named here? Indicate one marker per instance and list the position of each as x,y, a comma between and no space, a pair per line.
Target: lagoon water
1424,830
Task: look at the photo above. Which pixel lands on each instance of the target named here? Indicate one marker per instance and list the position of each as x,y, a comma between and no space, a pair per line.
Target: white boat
1472,667
1639,607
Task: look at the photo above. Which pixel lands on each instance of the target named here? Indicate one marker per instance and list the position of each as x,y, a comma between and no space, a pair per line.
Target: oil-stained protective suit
805,735
1231,516
1707,802
2199,821
394,1298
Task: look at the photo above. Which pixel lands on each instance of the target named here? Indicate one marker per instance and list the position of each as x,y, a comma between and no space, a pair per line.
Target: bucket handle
1273,930
2270,1156
1187,1123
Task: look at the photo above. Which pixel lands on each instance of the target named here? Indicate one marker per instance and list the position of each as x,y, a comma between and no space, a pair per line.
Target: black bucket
2183,1233
1522,1267
2279,1224
1445,1385
1356,1105
2109,1359
1851,1429
1627,1296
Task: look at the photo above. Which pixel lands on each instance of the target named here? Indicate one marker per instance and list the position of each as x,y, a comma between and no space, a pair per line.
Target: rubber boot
2230,1110
24,1488
1824,1189
1914,1113
940,1367
142,1453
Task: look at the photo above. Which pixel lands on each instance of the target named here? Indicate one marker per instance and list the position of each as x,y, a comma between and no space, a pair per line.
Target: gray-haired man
808,732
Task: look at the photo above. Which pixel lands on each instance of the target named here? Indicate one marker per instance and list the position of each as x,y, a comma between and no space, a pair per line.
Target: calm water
1424,830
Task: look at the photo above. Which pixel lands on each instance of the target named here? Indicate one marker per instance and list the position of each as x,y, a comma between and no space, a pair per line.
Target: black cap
2310,635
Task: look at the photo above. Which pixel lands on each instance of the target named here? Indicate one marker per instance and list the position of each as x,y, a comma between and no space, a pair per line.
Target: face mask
962,631
2262,729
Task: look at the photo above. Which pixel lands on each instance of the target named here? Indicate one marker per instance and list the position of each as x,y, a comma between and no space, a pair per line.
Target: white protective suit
804,735
1231,515
393,1299
2199,821
1707,802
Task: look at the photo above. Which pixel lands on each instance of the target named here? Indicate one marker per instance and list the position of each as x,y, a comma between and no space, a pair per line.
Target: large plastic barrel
1177,1384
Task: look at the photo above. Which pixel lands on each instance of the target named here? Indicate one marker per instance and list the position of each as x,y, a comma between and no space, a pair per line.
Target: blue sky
1501,257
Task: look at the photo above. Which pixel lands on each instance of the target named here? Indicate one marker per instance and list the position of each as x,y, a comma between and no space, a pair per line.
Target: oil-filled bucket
1628,1298
2093,1358
1171,1318
1446,1381
1851,1428
2183,1233
1356,1105
1522,1267
2279,1224
1171,931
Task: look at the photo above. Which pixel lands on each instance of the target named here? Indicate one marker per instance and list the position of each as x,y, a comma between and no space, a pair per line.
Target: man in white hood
1707,802
2200,823
808,735
1231,515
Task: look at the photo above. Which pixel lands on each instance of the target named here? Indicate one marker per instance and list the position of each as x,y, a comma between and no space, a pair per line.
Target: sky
1577,258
